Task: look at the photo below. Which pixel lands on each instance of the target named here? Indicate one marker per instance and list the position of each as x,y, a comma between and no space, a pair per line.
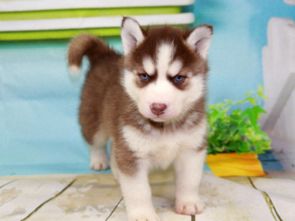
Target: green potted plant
235,136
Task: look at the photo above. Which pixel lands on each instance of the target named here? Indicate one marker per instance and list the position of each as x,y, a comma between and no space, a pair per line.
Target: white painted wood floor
98,198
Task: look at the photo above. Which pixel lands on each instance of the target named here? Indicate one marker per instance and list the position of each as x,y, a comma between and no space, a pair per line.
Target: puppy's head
164,69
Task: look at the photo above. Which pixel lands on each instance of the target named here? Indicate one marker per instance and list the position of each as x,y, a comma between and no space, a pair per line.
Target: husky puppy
151,103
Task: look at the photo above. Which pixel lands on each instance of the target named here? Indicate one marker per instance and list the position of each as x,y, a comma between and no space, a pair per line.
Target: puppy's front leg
189,169
137,196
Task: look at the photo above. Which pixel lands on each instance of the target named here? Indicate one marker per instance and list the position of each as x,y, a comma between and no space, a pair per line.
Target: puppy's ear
131,34
199,39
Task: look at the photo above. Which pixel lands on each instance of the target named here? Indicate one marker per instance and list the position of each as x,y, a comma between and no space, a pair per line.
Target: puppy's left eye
144,77
178,79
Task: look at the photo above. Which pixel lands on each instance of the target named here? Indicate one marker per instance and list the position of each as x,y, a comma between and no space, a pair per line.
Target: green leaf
234,126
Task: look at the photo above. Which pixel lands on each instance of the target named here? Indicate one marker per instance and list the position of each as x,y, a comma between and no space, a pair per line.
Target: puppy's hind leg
97,151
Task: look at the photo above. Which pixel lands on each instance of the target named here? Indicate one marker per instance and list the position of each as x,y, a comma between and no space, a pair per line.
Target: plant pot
233,164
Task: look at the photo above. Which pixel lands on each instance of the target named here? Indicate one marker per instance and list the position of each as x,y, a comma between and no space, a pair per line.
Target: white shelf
33,5
93,22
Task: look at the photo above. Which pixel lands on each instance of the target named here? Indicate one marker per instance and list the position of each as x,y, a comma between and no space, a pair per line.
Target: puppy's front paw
99,162
190,207
143,216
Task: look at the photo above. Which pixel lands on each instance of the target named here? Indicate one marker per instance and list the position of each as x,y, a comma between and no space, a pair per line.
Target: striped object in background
53,19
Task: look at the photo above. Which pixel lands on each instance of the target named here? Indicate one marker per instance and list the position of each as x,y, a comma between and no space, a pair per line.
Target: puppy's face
165,69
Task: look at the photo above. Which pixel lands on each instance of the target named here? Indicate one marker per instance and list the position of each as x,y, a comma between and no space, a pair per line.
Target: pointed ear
131,34
199,39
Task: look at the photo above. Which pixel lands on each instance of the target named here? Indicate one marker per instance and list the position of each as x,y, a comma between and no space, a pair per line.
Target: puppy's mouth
164,119
161,124
156,124
157,119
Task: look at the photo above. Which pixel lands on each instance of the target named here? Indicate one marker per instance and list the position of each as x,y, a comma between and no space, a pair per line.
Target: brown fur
104,102
102,85
149,47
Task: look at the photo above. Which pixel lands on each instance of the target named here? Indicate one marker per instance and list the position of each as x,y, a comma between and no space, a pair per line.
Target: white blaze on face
175,68
162,90
148,65
164,56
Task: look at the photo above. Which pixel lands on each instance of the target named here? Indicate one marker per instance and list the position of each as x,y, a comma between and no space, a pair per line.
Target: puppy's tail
87,45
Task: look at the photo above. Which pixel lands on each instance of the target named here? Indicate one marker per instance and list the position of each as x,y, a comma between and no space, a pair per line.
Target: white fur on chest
160,149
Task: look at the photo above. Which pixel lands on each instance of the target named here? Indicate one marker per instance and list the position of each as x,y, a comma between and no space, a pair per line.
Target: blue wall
239,34
39,132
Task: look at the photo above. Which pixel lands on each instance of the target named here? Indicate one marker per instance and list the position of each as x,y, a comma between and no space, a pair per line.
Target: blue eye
179,79
144,77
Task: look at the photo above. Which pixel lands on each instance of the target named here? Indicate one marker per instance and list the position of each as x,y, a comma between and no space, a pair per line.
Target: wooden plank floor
98,198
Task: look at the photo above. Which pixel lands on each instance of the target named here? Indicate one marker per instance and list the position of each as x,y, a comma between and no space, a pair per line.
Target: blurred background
253,44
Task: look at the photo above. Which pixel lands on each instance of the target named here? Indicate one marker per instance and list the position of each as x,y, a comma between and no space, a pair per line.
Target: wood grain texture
281,195
229,201
4,182
163,199
20,198
98,198
91,197
240,180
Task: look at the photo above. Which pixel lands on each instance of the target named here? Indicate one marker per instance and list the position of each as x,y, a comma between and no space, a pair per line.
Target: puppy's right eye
179,79
144,77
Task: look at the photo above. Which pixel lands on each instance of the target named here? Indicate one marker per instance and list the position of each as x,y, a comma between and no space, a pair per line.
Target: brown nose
158,108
